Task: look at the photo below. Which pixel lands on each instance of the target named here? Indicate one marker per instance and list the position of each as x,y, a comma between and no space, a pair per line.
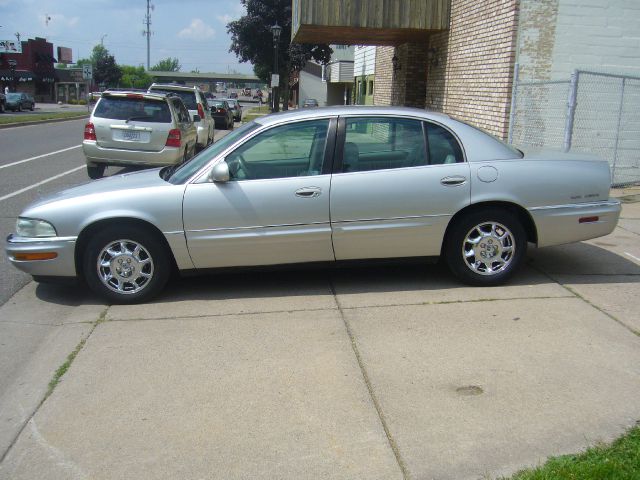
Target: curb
38,122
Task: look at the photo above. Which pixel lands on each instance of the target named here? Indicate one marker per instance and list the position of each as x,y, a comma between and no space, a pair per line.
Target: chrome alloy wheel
125,267
488,248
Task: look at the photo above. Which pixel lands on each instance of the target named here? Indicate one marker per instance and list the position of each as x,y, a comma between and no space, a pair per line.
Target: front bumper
63,265
560,224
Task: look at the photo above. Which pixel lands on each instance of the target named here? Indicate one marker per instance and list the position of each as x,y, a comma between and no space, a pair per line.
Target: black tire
33,107
19,107
126,277
95,171
504,245
1,107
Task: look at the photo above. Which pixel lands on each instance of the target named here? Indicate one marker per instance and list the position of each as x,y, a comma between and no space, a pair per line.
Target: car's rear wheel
126,264
33,106
485,247
95,171
19,107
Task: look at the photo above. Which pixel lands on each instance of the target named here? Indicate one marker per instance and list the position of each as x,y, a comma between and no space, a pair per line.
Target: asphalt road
35,161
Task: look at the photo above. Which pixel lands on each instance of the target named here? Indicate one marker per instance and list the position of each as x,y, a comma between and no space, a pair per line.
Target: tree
106,72
252,41
135,77
169,64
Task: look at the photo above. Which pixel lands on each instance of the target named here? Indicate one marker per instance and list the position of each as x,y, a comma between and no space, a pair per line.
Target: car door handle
308,192
453,181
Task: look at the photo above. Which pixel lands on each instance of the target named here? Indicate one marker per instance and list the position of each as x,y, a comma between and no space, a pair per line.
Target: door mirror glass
220,173
196,118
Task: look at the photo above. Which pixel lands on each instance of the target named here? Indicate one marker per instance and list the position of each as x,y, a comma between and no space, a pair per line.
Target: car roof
137,94
173,86
350,110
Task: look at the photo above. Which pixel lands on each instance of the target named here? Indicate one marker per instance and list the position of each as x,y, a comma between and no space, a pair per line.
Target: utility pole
147,32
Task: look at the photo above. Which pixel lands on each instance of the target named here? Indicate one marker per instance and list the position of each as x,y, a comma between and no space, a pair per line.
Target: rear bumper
62,266
560,224
115,156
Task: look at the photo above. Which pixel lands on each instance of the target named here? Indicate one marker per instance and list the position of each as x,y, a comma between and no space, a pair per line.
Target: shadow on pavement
590,264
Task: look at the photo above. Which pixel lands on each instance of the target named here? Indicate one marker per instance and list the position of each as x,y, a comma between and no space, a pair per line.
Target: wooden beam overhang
368,22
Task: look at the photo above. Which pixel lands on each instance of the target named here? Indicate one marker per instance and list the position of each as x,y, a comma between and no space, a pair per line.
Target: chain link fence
591,112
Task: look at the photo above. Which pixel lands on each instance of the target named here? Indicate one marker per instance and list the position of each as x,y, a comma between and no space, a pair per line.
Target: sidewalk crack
59,373
376,403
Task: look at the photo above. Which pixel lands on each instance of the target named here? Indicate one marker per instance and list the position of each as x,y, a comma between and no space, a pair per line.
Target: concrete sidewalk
379,372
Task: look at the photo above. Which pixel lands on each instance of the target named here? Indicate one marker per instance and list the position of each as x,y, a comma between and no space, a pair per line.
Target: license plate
130,135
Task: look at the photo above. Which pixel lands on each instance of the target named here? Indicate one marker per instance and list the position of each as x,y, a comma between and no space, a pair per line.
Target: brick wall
471,65
384,76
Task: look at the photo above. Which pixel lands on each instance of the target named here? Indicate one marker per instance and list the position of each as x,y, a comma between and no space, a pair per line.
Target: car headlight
33,228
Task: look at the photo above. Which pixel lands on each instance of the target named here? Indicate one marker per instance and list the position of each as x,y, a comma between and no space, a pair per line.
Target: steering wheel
237,164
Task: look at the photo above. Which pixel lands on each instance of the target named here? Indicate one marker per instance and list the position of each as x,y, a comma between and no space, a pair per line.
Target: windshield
13,96
186,170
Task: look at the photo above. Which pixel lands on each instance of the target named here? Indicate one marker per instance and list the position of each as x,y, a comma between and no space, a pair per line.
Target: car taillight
222,110
200,111
89,132
174,138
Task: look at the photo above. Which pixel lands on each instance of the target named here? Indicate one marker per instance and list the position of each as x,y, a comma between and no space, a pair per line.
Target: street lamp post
276,30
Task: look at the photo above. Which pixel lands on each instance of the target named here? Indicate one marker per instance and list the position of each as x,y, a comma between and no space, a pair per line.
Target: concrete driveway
386,372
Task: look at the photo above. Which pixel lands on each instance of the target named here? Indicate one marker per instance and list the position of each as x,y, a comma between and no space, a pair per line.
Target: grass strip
618,461
36,117
62,369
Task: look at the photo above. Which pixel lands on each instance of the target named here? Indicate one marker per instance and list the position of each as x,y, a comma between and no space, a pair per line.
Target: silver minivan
129,128
196,103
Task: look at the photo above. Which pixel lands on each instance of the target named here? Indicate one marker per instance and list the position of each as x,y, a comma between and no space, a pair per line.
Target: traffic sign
87,72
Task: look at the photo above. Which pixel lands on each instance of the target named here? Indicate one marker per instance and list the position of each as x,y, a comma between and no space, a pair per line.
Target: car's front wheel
485,247
126,264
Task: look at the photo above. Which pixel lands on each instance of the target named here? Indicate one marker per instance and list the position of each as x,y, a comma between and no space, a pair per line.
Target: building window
370,87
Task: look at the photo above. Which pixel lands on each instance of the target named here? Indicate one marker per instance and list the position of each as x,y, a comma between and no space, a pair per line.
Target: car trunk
145,136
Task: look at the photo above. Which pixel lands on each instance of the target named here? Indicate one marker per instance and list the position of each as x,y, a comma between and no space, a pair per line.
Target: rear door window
124,108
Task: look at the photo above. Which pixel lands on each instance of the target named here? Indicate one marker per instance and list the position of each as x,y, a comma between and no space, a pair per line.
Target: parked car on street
196,103
20,101
310,102
222,114
233,95
130,128
235,107
320,185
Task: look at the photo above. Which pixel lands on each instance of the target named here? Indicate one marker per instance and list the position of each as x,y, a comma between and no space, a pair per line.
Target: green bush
82,102
73,101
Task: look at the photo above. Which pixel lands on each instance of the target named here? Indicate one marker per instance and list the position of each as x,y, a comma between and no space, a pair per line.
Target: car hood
116,183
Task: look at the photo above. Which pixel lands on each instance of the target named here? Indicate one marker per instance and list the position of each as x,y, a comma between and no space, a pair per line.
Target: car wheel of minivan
95,171
126,264
33,106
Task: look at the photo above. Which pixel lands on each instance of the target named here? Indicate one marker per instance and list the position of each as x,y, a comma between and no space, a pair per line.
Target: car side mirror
196,118
220,173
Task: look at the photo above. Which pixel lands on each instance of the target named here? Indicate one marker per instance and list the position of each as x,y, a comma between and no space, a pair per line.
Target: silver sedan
319,185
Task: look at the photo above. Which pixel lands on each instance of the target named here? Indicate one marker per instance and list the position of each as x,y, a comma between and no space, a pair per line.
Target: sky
194,31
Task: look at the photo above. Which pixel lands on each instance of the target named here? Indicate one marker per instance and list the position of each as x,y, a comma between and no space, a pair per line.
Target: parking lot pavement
392,371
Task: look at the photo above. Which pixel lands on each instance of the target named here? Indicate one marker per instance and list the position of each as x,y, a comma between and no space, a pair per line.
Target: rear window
122,108
188,97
